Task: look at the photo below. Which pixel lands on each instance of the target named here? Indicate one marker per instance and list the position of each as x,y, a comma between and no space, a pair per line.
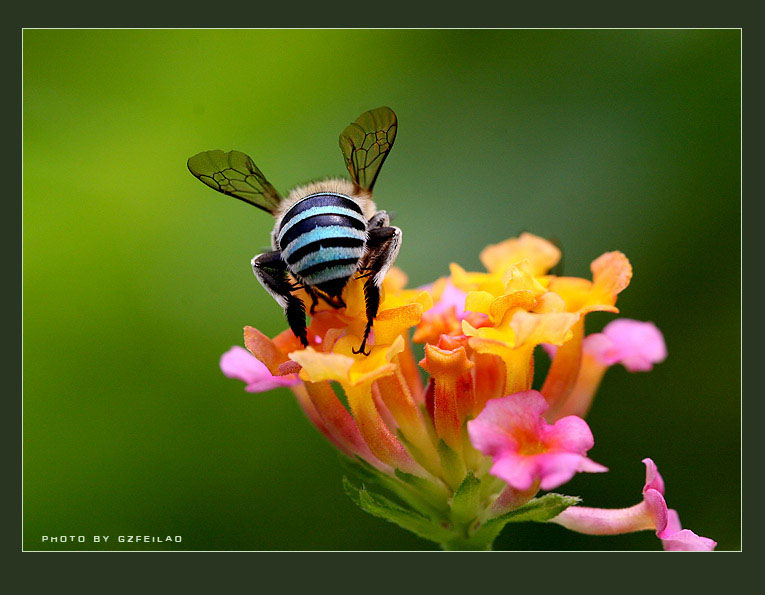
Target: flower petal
392,323
556,468
526,449
541,254
678,539
238,363
653,479
637,345
465,281
611,273
263,348
651,513
571,434
532,328
518,471
445,297
318,366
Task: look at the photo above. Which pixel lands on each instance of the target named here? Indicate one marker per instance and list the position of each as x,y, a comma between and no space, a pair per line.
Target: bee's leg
314,298
372,299
271,271
382,248
379,219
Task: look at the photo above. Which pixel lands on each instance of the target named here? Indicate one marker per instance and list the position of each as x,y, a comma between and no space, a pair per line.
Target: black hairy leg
314,297
382,248
271,271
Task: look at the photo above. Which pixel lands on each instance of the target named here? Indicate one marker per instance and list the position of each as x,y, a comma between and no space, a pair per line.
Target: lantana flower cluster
456,457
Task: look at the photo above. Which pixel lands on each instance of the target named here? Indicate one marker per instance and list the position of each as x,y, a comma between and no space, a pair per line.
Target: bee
324,232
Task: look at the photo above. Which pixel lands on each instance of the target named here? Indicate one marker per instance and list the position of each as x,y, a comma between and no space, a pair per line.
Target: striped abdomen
321,239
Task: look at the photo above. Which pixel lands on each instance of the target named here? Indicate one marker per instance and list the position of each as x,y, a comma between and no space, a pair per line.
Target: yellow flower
541,254
522,311
611,274
480,331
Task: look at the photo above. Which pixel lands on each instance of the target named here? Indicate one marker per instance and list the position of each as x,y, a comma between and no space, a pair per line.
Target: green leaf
383,508
537,510
466,500
360,469
436,493
417,493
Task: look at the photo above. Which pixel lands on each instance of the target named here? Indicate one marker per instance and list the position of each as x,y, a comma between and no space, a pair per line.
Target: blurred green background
137,277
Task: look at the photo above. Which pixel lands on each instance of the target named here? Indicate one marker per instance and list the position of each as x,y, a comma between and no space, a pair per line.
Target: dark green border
393,570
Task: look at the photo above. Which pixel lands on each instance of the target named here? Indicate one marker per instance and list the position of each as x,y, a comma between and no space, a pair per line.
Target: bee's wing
235,174
366,143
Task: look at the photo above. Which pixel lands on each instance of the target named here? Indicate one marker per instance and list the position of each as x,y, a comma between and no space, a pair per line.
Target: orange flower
522,310
480,331
611,273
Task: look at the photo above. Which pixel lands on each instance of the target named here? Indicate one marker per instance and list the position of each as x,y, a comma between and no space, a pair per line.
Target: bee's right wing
235,174
366,143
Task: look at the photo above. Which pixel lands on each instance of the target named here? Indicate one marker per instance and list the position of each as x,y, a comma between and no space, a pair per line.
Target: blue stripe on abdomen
329,220
338,271
323,243
293,220
321,233
326,256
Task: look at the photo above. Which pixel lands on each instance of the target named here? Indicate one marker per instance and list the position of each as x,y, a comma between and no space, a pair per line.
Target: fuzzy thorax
333,185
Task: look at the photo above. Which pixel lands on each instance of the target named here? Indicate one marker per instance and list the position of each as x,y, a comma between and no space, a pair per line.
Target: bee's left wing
235,174
366,143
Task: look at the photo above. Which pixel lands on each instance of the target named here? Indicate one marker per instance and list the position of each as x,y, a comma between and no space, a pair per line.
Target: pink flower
239,363
450,297
526,449
446,314
651,513
634,344
677,539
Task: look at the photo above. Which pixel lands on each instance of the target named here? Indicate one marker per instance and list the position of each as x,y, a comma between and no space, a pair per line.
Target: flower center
531,447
